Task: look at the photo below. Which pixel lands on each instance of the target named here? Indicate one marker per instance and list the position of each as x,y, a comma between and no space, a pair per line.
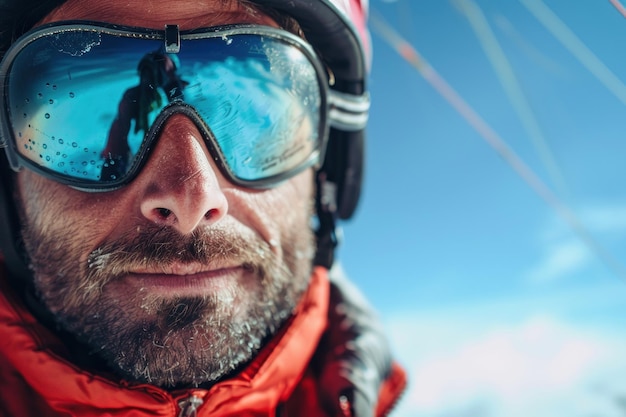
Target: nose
180,186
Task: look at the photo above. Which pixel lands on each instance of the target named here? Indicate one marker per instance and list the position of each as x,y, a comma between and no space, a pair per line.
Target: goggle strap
348,112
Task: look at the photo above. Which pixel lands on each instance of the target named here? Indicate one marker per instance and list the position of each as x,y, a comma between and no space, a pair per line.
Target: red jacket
37,378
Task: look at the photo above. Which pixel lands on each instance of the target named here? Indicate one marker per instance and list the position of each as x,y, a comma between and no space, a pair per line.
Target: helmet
336,29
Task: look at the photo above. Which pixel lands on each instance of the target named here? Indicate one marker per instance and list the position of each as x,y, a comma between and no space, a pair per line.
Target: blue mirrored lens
83,104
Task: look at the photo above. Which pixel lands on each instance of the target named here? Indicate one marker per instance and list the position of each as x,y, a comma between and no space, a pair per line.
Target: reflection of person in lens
157,78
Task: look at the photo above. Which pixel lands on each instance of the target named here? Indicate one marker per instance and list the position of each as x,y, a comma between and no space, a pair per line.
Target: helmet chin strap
326,206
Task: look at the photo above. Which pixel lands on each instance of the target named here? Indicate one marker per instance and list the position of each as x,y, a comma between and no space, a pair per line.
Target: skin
177,278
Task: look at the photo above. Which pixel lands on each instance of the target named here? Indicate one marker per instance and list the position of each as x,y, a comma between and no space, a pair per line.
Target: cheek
41,201
53,209
290,208
276,213
289,202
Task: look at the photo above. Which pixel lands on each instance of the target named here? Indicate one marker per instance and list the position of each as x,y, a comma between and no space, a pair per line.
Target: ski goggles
83,103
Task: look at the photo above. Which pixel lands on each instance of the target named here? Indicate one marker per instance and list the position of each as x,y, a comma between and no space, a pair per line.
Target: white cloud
566,253
561,259
540,367
607,218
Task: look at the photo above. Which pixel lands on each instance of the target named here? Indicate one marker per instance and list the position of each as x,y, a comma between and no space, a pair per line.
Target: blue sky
493,302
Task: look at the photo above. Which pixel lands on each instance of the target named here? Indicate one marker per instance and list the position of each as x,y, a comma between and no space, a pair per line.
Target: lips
186,279
183,269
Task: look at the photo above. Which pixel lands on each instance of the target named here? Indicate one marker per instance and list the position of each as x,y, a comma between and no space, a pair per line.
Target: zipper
345,406
189,406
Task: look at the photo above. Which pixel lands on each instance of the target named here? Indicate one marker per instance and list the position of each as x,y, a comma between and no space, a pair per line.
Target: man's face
176,278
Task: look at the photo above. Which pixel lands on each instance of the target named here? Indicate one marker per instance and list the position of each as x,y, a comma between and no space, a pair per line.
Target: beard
173,341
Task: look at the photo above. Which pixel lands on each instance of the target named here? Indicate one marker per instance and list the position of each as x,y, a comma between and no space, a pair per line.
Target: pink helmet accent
356,12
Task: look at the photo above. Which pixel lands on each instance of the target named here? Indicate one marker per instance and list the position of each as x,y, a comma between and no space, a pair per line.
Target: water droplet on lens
26,100
54,87
39,95
19,134
25,116
74,145
61,141
47,115
84,163
45,146
247,160
72,94
51,101
48,158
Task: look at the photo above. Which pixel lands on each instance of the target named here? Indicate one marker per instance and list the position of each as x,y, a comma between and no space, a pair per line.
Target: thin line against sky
513,90
619,7
576,47
493,139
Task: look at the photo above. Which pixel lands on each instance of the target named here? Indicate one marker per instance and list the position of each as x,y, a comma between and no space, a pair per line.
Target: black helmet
336,29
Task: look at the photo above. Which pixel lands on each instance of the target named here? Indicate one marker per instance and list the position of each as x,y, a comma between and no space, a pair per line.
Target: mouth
186,279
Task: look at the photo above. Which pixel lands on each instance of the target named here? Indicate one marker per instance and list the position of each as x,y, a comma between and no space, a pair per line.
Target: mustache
154,246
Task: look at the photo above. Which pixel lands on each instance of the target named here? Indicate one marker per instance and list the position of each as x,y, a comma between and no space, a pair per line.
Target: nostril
163,212
211,213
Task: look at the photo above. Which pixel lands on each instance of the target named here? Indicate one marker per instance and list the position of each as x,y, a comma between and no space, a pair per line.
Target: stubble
171,341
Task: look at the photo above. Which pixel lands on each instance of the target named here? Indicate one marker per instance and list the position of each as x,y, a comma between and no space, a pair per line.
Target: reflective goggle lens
86,103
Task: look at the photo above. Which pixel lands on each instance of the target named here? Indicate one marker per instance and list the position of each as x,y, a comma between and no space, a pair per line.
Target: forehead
188,14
